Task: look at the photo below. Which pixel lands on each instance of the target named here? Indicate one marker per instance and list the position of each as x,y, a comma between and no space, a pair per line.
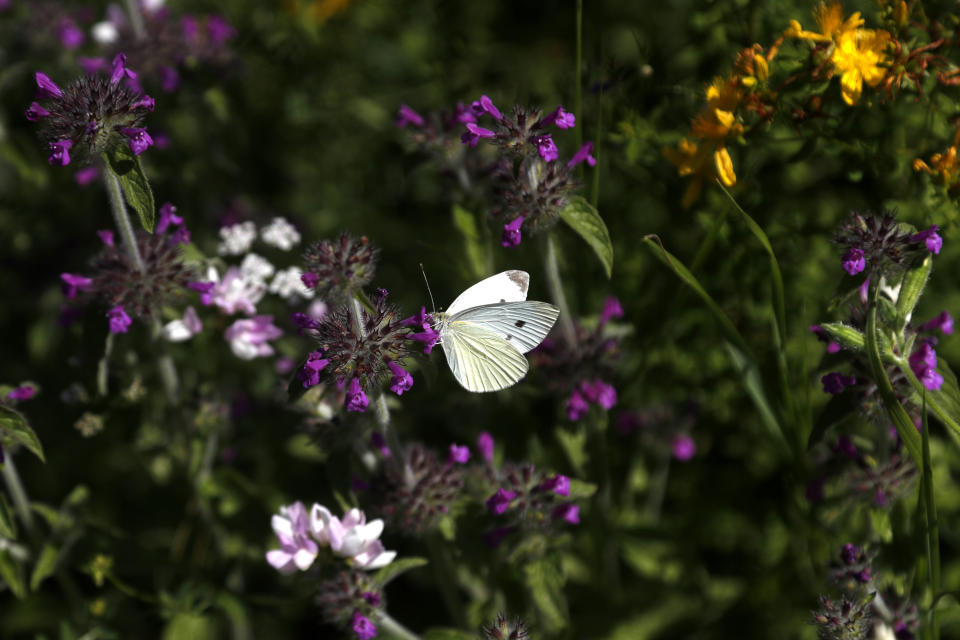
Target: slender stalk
20,501
393,628
556,290
167,370
136,19
444,573
577,89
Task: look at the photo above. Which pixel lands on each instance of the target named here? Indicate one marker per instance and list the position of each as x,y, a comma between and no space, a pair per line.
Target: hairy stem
556,290
393,628
136,20
19,495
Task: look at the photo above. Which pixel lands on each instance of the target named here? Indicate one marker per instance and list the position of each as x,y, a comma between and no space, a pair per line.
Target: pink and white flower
297,550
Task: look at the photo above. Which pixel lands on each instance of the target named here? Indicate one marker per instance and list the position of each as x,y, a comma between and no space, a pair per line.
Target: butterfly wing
480,359
507,286
523,324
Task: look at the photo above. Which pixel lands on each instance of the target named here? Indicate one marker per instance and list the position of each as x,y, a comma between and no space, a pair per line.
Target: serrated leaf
439,633
393,570
845,336
14,428
8,524
586,221
580,490
126,168
911,287
10,572
545,582
45,566
477,252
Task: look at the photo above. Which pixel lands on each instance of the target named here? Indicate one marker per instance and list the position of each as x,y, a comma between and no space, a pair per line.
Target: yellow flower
700,162
859,56
830,20
946,165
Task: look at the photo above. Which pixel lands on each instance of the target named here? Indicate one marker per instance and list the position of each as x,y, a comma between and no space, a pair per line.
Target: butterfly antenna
432,303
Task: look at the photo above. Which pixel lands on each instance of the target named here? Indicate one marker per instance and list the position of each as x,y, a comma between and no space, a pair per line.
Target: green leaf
911,287
384,576
880,519
945,401
14,429
440,633
586,221
580,490
46,564
10,572
845,336
478,253
930,520
125,166
8,524
190,626
545,582
574,444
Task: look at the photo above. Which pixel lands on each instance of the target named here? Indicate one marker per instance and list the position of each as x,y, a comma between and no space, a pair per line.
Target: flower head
560,118
297,550
512,236
237,238
340,266
21,393
499,502
351,537
280,234
72,284
119,320
309,374
459,454
249,338
363,627
860,58
401,381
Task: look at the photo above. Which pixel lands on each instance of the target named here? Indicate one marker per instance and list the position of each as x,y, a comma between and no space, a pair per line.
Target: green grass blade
932,526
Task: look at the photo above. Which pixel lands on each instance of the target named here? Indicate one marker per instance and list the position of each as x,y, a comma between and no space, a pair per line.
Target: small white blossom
280,234
352,537
237,238
105,32
181,330
288,285
235,292
256,268
152,6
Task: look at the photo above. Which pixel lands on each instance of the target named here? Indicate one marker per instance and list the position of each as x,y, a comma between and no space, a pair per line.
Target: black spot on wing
519,323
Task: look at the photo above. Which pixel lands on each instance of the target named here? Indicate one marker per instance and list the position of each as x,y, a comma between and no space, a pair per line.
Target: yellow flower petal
724,166
851,86
725,118
760,67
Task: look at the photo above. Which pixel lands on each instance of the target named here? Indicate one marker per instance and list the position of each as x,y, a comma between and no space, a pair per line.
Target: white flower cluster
288,285
280,234
237,238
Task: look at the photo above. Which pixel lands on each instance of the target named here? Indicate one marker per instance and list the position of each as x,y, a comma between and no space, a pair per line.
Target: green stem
577,89
443,572
20,500
393,628
556,290
136,20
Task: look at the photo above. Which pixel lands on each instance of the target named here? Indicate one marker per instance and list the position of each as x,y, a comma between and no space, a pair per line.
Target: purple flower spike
309,375
140,140
583,153
168,216
833,383
458,454
60,152
363,627
929,237
146,102
357,400
401,380
560,118
547,148
46,88
407,116
943,322
683,447
568,513
559,484
512,236
486,106
34,112
120,69
853,261
70,35
119,320
500,501
73,284
106,237
22,393
485,445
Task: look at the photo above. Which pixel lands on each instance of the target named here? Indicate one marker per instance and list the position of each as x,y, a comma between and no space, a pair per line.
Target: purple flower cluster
879,244
590,392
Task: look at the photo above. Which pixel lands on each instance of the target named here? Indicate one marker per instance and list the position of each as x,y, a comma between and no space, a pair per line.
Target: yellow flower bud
900,13
724,167
760,68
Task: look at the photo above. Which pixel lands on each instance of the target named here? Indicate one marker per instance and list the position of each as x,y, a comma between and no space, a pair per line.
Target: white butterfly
489,327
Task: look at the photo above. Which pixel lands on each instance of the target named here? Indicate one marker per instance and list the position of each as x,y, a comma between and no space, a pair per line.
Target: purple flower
60,152
929,237
146,102
421,319
303,322
297,550
46,88
189,27
70,35
219,30
169,79
139,141
853,261
463,115
85,176
429,337
401,380
500,501
180,236
357,400
577,406
833,383
846,447
561,118
205,289
373,599
849,553
309,280
34,112
168,216
249,337
474,133
485,105
119,320
923,361
943,322
559,484
106,237
485,445
74,283
309,375
21,393
683,447
611,309
568,512
823,336
120,69
407,116
458,454
512,236
547,148
599,392
362,626
583,153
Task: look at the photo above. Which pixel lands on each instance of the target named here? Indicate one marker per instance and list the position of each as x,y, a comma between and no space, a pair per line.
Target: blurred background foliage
299,122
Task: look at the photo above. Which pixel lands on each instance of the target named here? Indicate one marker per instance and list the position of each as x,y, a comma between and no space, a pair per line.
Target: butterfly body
489,327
